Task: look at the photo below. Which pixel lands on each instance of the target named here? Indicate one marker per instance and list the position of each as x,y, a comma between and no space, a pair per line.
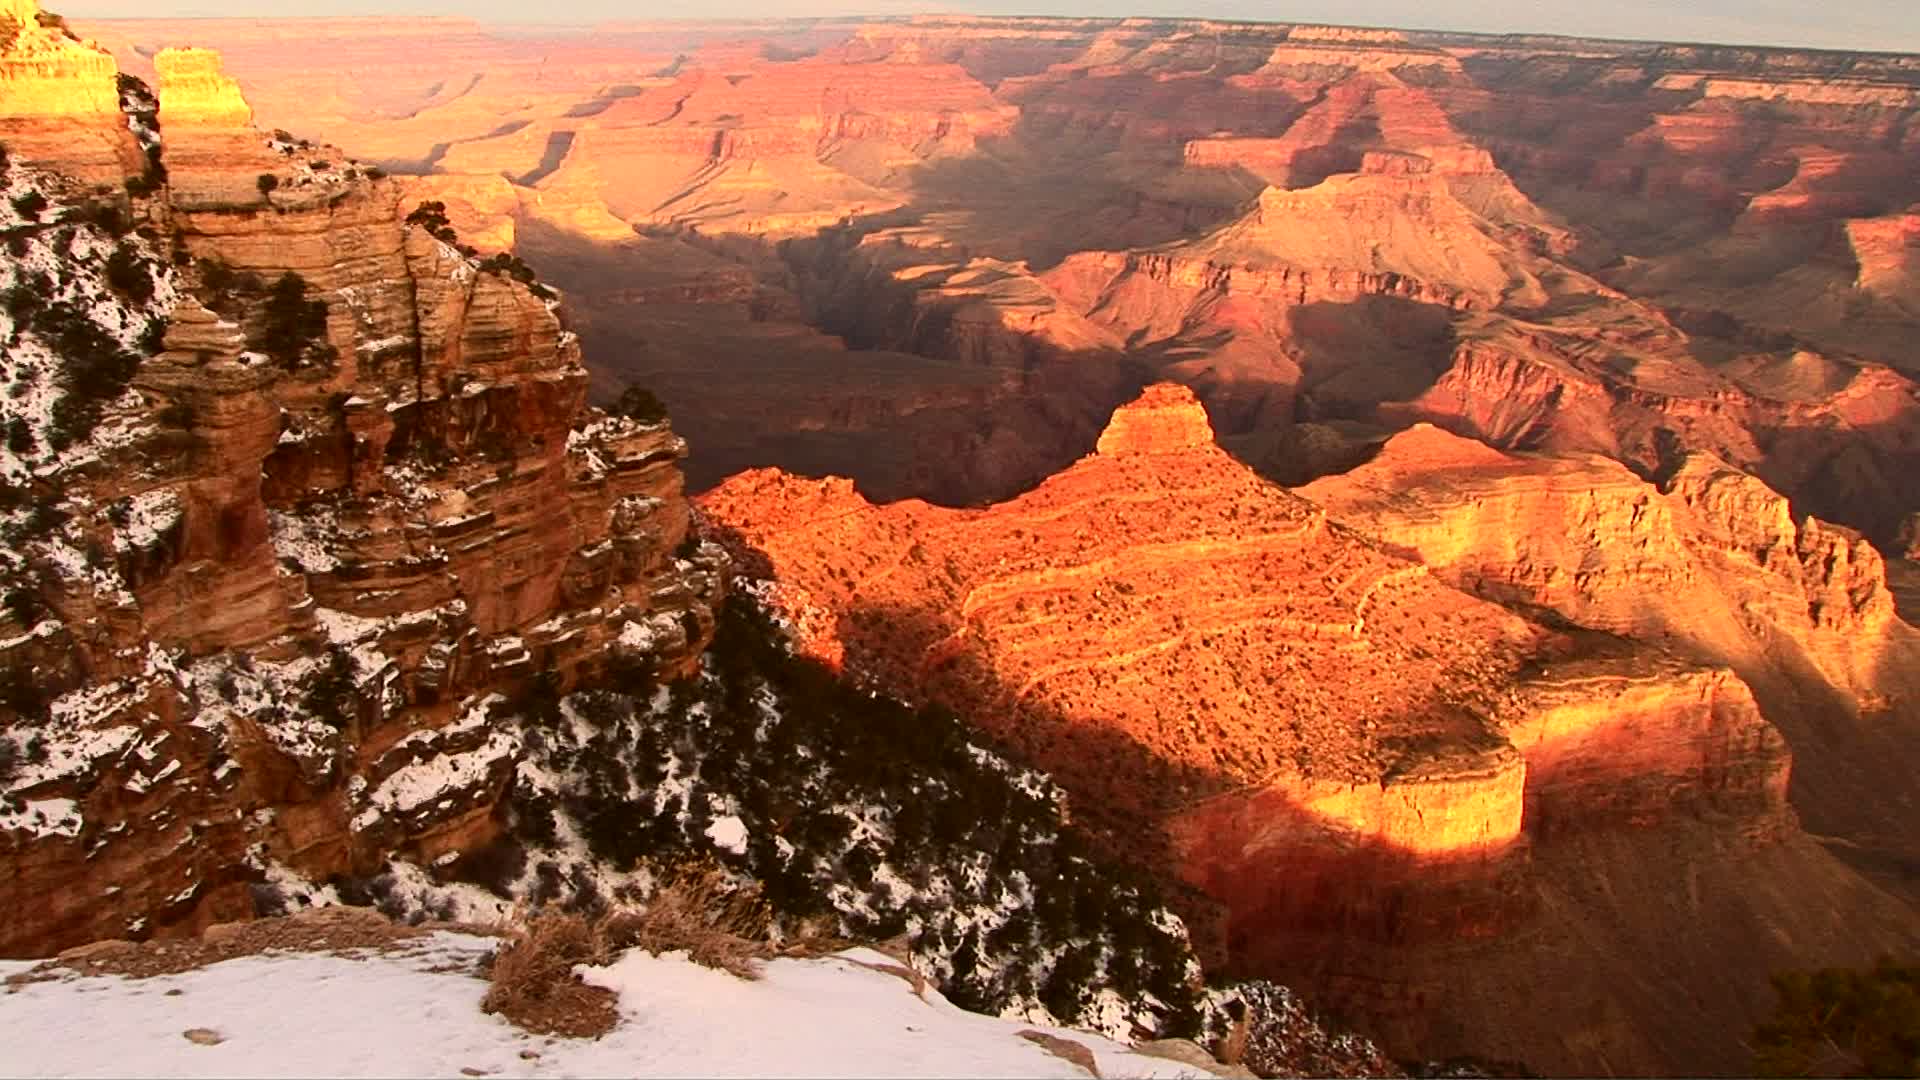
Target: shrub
698,910
641,404
429,215
128,274
1842,1022
293,326
432,216
266,182
106,216
96,371
221,281
30,205
332,697
152,179
23,301
24,695
533,984
511,265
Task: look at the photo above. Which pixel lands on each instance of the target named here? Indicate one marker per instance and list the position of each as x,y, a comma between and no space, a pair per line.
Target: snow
730,833
646,635
43,817
394,1014
426,783
304,540
64,264
150,516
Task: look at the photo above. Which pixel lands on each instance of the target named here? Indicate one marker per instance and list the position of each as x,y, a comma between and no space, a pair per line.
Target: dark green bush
639,403
30,205
293,328
129,275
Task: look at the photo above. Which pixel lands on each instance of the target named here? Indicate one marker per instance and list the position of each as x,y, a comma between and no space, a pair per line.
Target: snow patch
729,832
305,1014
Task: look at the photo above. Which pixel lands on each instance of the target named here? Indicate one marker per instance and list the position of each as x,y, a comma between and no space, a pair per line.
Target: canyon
1441,503
256,614
1376,779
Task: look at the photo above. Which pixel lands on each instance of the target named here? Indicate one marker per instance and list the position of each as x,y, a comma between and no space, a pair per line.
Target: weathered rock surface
265,630
1330,744
60,100
1710,562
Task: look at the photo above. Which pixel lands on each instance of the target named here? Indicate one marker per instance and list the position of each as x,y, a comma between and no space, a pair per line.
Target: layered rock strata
1354,761
60,99
1710,562
266,625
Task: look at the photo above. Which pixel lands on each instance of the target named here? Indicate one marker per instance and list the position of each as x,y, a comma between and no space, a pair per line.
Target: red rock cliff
284,583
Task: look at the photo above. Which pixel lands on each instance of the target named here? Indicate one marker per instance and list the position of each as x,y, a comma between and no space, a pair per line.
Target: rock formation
60,99
349,496
195,92
1329,742
1709,562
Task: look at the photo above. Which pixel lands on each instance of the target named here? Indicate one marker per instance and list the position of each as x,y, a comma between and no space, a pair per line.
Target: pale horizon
1858,25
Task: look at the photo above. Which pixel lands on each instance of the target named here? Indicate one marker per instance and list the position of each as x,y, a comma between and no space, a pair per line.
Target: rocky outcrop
931,254
196,92
60,99
356,501
1710,562
1833,434
1087,586
1336,748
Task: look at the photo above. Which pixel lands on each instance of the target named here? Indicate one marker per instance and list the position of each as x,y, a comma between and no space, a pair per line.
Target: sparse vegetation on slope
82,303
431,215
281,322
1842,1022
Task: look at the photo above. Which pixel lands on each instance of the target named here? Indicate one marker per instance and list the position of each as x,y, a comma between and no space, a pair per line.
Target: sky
1842,24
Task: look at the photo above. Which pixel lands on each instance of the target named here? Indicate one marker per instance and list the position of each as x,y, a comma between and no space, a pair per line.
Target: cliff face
60,100
1442,201
1710,562
195,92
1356,762
349,495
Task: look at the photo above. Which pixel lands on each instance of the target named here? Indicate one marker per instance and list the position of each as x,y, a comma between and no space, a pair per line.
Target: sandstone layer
1526,240
262,613
60,99
1709,561
1354,760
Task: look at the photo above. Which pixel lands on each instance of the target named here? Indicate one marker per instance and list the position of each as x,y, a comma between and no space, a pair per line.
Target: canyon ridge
1440,510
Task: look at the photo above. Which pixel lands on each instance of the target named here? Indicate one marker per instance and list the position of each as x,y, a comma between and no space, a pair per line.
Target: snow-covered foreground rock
414,1010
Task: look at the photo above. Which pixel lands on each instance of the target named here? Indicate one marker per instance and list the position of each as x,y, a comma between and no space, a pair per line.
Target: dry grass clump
695,908
534,986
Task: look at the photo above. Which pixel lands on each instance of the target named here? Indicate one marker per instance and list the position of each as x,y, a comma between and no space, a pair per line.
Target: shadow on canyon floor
784,354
